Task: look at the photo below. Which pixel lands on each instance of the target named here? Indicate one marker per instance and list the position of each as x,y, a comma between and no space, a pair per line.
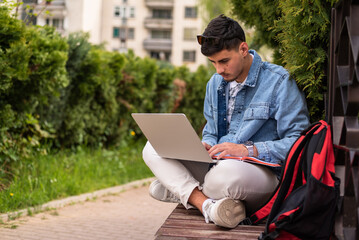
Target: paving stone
131,214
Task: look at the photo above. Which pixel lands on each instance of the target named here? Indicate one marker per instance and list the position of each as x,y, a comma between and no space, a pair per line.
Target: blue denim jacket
270,111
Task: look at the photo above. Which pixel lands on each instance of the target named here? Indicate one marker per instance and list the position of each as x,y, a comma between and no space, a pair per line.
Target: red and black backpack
305,201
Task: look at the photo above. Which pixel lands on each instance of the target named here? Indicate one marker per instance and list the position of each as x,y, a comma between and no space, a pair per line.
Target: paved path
125,212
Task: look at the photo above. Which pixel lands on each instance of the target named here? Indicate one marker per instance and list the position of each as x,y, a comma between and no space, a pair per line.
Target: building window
190,34
116,32
57,23
161,13
131,33
124,12
159,55
124,15
121,33
117,11
28,16
132,12
155,55
189,56
190,12
161,34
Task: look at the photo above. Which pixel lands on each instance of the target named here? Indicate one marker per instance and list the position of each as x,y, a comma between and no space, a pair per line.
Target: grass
43,178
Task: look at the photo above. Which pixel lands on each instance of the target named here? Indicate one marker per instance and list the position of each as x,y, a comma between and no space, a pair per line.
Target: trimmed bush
298,31
32,70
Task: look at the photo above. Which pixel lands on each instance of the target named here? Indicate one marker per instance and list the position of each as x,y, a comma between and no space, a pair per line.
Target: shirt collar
251,79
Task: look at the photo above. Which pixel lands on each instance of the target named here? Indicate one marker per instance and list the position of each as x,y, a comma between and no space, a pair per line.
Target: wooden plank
171,238
190,224
206,234
187,217
184,224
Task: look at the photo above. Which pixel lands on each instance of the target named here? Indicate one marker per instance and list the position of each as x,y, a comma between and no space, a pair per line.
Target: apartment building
161,29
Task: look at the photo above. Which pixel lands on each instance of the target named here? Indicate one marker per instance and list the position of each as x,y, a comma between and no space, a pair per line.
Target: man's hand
227,148
207,146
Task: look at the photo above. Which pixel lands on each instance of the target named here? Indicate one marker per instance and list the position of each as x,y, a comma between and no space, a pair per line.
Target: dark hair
227,30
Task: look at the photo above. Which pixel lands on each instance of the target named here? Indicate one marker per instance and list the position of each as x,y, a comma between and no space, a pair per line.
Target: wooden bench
190,224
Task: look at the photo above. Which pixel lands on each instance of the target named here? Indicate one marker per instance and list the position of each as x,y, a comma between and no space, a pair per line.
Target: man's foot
159,192
225,212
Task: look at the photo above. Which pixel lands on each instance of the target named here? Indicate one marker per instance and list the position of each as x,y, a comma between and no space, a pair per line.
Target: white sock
206,207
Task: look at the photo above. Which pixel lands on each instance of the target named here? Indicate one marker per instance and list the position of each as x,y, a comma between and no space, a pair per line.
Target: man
252,108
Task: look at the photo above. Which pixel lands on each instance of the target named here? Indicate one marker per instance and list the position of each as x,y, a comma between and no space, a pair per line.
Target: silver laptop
172,136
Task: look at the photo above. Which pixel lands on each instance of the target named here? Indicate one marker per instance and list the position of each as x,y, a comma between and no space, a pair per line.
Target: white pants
250,183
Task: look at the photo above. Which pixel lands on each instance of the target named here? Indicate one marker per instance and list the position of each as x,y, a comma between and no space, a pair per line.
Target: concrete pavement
123,212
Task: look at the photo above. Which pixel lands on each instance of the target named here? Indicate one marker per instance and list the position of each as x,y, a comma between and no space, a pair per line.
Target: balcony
152,44
56,8
158,23
159,3
57,2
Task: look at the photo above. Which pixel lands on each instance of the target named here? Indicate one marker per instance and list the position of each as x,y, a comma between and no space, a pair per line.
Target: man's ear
243,48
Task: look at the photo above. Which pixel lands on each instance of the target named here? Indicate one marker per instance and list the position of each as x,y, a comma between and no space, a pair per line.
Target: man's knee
148,153
224,180
239,180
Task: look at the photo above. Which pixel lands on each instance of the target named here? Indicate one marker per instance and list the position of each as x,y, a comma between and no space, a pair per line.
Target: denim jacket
270,111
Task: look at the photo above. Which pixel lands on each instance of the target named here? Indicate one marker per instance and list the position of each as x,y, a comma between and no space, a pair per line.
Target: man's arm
292,117
210,131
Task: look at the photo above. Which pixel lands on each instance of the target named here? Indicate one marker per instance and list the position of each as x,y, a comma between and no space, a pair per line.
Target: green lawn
42,178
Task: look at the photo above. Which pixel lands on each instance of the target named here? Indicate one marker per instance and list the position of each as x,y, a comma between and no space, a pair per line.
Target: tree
211,9
298,31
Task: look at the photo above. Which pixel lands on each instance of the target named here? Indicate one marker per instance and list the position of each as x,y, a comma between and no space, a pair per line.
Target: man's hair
227,30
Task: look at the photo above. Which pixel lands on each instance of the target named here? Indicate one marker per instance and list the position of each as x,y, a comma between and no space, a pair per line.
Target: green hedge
32,70
61,92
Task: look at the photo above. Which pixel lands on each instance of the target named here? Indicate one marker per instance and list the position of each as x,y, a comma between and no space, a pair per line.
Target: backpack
304,204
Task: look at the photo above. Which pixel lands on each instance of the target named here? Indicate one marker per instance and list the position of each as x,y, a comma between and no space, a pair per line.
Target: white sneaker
225,212
159,192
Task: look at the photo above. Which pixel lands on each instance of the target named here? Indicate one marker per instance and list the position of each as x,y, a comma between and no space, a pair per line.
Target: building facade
161,29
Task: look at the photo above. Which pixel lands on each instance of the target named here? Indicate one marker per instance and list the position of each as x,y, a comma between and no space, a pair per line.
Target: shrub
193,99
88,105
32,69
58,92
298,31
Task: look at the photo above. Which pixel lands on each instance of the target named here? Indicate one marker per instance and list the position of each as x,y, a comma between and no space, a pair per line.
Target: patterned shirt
234,88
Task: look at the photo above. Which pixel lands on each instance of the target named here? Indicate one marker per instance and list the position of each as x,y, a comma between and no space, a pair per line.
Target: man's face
231,64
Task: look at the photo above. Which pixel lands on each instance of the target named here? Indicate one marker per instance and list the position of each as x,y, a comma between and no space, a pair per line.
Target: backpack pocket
309,211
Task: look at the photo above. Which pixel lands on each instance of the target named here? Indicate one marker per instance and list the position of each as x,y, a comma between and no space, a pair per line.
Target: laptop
172,136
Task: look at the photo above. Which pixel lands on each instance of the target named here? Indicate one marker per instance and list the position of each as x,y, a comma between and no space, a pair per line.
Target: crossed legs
192,183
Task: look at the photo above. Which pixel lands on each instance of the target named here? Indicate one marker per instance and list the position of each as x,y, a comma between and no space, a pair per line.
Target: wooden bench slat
176,223
194,212
171,238
186,217
207,234
189,224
